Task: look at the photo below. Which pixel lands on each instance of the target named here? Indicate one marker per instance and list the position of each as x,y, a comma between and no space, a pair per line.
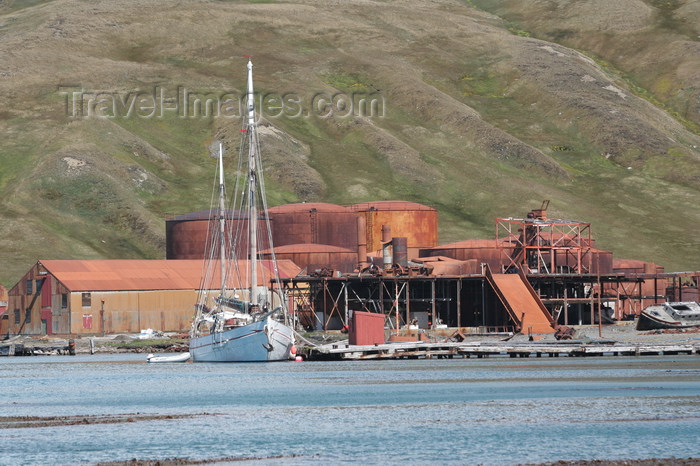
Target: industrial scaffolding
540,245
427,301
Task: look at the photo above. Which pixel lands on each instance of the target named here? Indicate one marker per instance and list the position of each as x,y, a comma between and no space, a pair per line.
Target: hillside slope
103,136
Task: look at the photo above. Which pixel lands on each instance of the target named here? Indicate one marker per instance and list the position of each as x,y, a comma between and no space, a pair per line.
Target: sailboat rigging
242,319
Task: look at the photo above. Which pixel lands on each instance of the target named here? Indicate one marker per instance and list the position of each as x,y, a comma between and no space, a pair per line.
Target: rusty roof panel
132,275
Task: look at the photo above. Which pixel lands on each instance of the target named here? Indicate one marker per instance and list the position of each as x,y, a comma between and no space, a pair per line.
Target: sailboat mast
253,207
222,220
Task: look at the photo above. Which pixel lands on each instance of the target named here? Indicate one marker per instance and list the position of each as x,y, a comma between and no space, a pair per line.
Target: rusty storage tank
483,250
186,235
648,287
626,266
418,223
314,222
314,257
682,293
596,261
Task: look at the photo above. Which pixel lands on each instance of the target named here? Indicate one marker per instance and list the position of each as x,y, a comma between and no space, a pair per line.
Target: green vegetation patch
348,81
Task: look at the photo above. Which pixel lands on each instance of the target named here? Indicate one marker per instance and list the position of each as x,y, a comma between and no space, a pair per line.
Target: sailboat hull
265,340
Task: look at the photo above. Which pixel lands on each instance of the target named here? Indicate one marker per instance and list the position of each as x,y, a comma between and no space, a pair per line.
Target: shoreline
622,332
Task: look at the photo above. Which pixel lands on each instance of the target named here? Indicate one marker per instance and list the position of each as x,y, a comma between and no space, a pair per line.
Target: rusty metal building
421,300
3,310
315,257
110,296
358,228
482,250
314,223
417,223
552,260
187,235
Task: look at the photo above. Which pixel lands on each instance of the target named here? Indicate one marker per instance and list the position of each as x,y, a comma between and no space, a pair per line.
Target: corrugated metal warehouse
111,296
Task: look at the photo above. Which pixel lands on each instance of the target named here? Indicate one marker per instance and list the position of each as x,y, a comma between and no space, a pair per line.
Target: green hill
482,109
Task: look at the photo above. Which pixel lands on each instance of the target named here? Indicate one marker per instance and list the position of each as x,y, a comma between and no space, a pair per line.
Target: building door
46,319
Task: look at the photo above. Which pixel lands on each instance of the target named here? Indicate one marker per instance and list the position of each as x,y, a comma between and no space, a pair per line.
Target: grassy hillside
483,109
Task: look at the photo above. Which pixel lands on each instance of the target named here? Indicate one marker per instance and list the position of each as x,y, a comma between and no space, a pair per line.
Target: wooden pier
19,349
448,350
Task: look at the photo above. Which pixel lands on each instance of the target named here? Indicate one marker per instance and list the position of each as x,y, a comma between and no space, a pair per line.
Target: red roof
132,275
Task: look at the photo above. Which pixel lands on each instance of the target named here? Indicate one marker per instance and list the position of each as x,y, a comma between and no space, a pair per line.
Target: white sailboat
243,319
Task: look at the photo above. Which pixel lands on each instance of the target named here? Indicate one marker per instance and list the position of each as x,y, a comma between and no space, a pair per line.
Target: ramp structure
521,302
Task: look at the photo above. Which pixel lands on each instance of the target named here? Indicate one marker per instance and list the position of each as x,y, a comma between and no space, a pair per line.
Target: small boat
670,315
242,310
181,357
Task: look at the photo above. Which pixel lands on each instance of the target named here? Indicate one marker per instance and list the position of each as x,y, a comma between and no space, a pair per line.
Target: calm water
489,411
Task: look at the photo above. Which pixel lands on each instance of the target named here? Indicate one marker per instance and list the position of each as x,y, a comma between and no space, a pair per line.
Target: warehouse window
64,300
30,286
87,300
17,316
28,315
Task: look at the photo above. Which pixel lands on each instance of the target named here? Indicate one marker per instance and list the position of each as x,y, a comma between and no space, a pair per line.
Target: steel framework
543,246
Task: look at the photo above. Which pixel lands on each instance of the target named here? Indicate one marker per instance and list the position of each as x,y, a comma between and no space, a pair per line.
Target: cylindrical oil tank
483,250
186,235
682,293
315,222
601,262
314,257
592,260
416,222
635,266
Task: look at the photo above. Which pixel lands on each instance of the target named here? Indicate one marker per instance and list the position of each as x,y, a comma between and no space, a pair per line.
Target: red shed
366,328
